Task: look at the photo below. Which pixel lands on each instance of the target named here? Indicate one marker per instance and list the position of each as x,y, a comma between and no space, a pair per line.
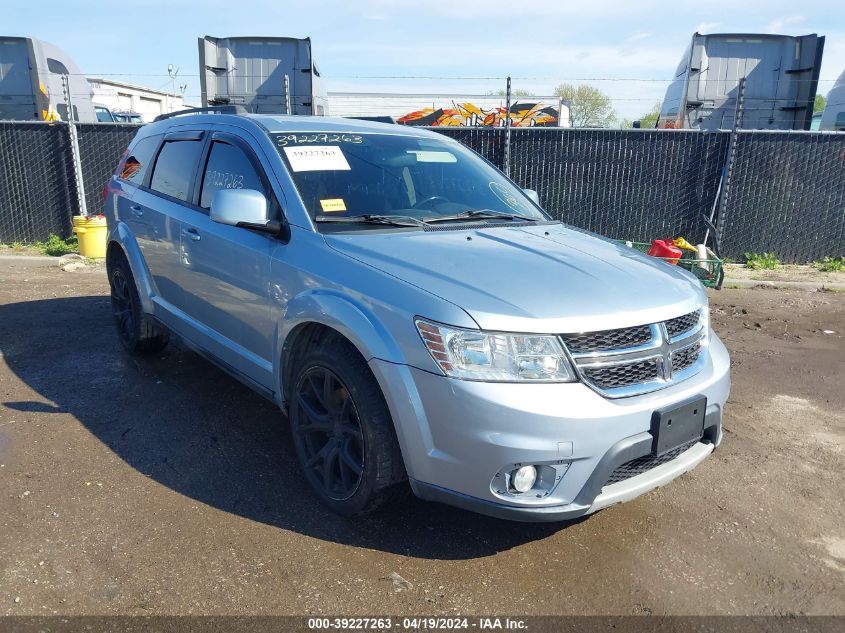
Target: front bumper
458,437
608,496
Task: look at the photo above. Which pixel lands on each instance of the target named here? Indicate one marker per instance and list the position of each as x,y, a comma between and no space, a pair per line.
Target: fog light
523,479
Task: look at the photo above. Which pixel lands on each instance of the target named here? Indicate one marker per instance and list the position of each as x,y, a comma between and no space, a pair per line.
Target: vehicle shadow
187,425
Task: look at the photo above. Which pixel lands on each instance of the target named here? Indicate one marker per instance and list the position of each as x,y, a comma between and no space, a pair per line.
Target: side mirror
242,207
535,197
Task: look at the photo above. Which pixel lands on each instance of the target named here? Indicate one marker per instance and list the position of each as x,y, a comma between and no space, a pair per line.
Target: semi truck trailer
31,87
265,75
781,75
833,116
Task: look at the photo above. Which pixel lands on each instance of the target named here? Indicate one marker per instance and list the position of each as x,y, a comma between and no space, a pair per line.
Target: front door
224,272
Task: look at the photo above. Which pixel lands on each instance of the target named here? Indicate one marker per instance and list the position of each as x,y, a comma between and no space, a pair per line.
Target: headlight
495,357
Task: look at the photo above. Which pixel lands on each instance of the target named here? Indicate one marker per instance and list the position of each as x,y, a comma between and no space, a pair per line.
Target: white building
122,97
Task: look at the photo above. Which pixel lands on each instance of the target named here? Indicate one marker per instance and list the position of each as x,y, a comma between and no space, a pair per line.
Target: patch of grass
831,265
55,246
759,261
14,246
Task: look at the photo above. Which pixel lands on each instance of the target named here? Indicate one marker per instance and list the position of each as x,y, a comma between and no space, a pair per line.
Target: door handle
136,210
192,234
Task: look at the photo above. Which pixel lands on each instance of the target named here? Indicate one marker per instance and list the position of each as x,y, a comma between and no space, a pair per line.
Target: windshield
351,175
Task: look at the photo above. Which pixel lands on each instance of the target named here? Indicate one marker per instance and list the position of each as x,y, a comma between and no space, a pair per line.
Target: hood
537,278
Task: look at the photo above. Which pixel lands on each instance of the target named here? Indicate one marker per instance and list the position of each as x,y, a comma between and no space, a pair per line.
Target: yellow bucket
92,234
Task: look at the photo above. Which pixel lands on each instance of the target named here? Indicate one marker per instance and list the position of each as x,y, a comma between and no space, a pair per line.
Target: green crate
710,272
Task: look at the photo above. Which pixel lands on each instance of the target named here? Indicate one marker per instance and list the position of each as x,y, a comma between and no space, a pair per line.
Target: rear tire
138,333
342,430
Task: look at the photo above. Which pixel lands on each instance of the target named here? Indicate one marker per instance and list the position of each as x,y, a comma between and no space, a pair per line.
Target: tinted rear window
175,168
135,166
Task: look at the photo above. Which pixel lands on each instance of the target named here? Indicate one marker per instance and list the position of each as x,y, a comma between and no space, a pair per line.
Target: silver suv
418,317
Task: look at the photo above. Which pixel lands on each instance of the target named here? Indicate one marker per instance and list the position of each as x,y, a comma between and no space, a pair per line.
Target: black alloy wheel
121,304
138,332
328,434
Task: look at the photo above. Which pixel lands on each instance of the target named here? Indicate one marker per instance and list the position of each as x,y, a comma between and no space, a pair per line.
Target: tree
588,106
819,104
649,119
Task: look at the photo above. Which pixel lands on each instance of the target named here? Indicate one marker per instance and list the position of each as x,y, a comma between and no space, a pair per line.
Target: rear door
133,172
158,207
224,272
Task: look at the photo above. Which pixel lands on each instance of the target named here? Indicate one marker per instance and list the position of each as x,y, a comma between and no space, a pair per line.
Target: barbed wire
95,76
422,99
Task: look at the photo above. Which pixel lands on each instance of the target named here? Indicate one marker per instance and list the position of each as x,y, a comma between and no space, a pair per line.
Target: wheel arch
122,241
320,314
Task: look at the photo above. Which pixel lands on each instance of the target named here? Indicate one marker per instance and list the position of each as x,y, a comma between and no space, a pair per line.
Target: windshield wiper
480,214
370,218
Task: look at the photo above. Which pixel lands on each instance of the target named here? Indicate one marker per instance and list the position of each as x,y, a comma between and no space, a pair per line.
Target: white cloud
637,36
505,8
706,27
833,62
779,24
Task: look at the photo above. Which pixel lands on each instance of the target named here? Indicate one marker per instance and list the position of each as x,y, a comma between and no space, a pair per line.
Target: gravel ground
164,487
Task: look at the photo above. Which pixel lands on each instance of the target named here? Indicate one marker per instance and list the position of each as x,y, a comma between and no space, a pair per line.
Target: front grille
641,465
614,376
607,339
635,360
685,357
677,326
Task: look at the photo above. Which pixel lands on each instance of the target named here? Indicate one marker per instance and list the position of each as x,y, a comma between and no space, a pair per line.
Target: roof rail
218,109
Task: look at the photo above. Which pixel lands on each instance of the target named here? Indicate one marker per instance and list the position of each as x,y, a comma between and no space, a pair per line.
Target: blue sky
613,44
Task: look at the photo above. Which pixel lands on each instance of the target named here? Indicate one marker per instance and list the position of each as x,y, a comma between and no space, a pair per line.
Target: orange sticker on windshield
333,205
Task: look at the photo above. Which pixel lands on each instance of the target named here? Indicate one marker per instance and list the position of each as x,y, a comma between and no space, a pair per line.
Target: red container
665,249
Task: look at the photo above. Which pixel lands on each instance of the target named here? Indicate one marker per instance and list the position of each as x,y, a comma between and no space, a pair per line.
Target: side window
175,167
61,108
56,67
103,115
228,168
135,166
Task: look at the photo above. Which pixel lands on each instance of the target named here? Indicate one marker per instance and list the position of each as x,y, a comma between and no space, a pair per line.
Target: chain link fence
100,148
36,181
634,185
784,193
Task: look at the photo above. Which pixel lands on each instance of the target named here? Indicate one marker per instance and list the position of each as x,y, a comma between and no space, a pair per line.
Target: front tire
138,333
342,431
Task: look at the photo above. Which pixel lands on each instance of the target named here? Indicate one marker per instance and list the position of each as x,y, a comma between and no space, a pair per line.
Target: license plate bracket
677,425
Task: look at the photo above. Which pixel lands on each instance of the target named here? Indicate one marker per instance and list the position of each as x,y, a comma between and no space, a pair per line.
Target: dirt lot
164,487
784,273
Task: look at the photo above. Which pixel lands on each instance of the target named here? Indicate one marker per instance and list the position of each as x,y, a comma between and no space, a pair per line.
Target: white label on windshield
429,156
316,158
